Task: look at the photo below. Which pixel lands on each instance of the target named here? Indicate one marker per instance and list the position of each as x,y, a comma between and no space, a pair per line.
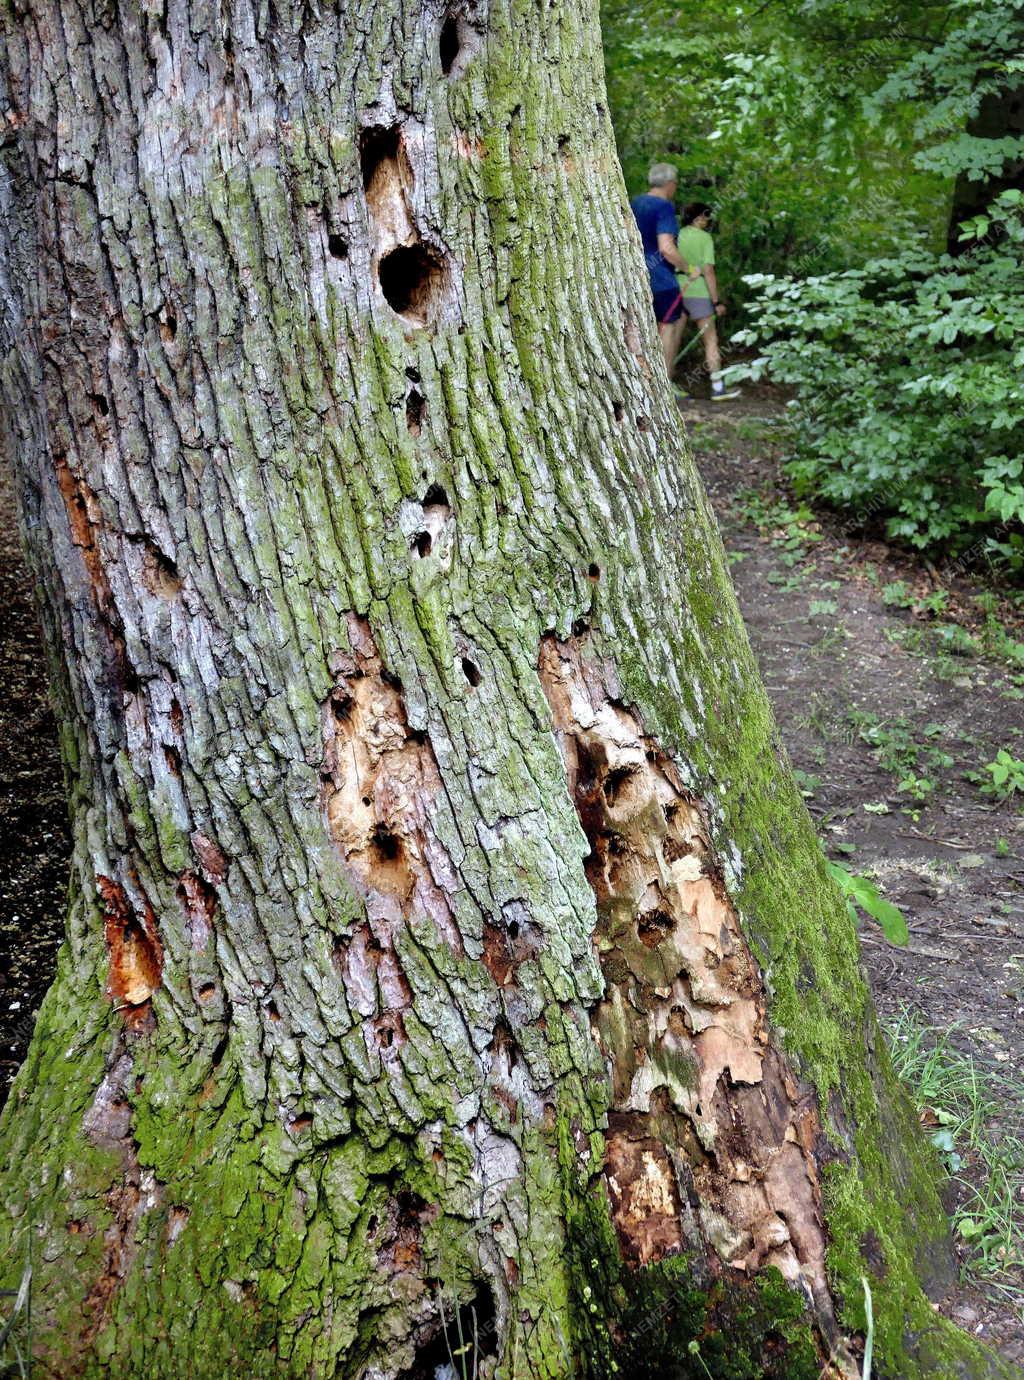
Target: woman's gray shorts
698,307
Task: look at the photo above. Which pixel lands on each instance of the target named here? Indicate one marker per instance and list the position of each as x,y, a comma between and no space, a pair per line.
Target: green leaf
863,893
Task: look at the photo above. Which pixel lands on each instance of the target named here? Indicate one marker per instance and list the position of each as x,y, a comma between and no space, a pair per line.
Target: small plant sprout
1007,776
863,894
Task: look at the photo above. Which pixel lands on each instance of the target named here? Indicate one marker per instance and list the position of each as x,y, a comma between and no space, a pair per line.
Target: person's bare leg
712,354
670,332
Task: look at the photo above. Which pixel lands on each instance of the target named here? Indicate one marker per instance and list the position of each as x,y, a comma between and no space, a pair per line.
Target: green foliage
910,401
862,893
1007,776
960,1105
910,406
763,114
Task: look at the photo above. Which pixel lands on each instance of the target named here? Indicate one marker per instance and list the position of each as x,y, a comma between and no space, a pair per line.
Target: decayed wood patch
712,1140
379,780
133,944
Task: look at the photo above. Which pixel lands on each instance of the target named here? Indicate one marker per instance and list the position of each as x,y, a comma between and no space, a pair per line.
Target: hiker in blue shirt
656,219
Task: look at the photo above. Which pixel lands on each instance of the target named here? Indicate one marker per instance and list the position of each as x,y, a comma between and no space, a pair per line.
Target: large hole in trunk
411,278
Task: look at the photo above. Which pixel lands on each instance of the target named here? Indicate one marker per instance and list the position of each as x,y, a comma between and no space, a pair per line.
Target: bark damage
713,1144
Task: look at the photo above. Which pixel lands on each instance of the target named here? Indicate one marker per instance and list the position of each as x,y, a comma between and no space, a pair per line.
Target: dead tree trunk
450,960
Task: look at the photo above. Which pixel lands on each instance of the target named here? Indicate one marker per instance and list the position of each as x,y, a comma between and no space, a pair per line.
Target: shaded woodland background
866,163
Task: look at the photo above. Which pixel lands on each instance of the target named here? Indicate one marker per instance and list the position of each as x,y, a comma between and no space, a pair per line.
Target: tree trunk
450,960
1000,116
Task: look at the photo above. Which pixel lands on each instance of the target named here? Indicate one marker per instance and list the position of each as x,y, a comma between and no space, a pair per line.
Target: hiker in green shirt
701,302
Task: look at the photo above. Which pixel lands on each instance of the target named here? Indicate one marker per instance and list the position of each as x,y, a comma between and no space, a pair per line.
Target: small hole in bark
413,375
617,783
410,279
272,1011
449,44
594,570
643,424
300,1123
618,411
580,627
219,1050
436,497
471,671
173,759
337,246
390,679
415,409
563,143
387,845
422,543
654,926
159,572
367,800
100,403
168,328
371,1225
341,707
513,928
206,991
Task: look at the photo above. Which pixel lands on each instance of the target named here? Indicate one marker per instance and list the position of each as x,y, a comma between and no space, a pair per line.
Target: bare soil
34,837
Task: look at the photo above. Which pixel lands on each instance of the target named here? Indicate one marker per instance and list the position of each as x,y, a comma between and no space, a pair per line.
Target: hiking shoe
725,395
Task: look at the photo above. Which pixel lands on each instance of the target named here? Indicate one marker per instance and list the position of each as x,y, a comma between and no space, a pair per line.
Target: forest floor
891,697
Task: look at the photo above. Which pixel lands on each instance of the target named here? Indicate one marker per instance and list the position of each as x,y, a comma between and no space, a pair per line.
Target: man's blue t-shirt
655,216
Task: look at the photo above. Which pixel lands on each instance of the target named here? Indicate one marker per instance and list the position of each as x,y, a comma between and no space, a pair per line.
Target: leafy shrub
910,405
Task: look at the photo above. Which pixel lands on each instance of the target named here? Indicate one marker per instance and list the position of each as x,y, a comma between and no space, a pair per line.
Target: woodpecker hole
415,408
422,543
378,145
411,279
449,43
387,845
341,707
337,246
471,671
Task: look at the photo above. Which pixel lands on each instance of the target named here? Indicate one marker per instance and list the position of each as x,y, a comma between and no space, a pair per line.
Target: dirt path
866,694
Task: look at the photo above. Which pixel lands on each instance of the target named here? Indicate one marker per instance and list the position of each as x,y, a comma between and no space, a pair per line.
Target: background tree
451,964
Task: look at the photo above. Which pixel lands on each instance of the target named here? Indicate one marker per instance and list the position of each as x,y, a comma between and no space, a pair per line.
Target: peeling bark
713,1143
326,366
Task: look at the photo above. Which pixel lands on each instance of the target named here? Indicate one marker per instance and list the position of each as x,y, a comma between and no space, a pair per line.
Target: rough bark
447,940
